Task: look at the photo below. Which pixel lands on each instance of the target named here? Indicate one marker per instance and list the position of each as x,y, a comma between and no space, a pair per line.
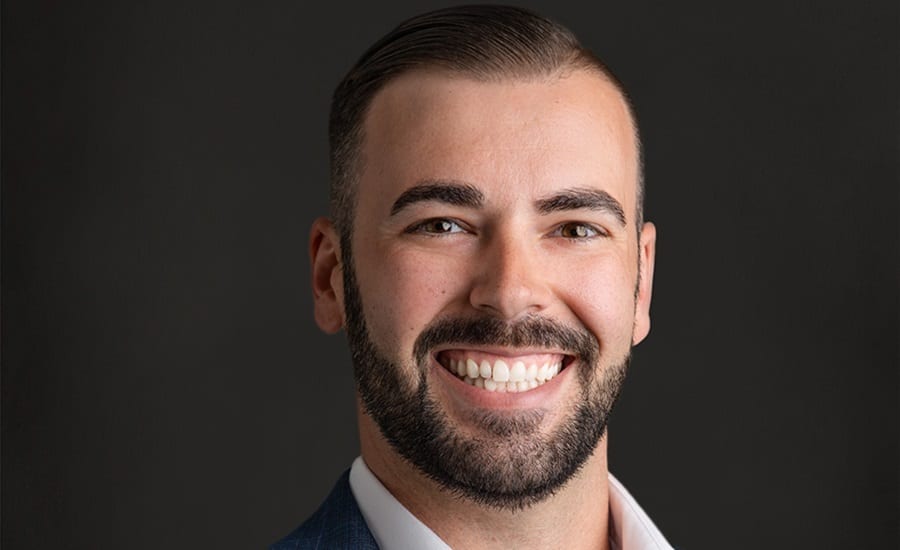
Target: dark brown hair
488,43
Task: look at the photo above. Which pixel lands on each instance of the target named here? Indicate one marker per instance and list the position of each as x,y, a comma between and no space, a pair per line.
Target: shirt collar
395,528
629,526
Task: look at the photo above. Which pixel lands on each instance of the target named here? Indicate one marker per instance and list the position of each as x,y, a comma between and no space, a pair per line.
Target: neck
575,517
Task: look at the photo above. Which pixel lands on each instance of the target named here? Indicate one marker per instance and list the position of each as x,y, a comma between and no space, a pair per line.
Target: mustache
528,332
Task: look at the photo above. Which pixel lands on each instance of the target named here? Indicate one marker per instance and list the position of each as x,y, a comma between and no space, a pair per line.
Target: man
488,259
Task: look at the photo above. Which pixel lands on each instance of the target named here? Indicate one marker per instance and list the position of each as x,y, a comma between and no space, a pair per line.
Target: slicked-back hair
487,43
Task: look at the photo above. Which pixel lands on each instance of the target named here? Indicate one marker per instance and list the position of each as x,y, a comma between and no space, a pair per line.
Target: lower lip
539,397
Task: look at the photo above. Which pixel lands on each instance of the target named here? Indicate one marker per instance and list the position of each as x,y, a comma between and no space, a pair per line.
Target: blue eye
437,226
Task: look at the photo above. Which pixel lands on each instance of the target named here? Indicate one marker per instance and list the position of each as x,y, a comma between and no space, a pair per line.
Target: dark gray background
164,385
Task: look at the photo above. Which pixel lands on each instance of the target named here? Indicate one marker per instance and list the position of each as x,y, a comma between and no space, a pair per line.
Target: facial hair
511,464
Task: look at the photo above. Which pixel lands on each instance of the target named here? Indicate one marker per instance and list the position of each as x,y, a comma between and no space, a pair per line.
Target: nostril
508,303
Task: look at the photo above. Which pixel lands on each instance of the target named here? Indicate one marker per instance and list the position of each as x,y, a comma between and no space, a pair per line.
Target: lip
502,351
468,396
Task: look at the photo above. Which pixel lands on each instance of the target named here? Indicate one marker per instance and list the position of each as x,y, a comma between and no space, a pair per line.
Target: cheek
602,296
402,294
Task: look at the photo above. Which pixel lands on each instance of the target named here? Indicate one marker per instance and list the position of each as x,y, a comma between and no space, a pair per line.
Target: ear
647,253
327,276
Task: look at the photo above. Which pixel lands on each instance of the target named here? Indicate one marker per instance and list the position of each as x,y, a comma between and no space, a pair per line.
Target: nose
510,279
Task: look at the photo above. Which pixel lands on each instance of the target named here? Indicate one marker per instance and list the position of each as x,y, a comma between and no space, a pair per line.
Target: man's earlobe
647,253
327,276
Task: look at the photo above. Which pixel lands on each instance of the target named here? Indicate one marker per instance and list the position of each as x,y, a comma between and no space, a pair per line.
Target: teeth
501,377
472,369
501,372
517,373
485,369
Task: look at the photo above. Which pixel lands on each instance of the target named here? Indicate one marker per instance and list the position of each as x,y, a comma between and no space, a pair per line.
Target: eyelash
423,227
426,227
592,229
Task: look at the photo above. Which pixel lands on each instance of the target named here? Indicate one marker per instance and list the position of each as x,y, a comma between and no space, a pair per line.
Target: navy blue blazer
337,523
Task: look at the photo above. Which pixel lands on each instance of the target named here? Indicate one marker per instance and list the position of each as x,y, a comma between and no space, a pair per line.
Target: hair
488,43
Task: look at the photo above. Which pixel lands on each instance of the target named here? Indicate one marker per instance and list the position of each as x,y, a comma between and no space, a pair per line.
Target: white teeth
485,369
472,369
517,372
501,371
501,377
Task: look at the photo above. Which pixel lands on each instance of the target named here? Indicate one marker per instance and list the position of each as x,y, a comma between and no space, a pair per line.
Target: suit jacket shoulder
337,523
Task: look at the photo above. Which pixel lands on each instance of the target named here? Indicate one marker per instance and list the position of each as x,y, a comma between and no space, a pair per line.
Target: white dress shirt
395,528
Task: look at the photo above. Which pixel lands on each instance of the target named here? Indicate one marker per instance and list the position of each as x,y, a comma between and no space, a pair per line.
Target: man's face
493,294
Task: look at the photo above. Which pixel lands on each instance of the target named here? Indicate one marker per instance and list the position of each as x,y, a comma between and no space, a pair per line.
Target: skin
517,142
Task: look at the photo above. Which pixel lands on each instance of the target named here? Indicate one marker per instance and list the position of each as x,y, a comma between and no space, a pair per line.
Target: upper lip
501,351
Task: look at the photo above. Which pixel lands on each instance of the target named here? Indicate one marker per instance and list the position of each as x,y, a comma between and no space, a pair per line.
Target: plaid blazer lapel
337,523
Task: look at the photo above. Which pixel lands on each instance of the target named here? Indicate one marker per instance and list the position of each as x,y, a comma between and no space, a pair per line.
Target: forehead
507,137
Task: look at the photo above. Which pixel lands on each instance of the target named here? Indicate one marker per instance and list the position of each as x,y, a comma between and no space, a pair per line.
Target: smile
502,374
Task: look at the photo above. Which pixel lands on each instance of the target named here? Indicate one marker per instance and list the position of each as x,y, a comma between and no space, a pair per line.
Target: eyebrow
448,192
578,199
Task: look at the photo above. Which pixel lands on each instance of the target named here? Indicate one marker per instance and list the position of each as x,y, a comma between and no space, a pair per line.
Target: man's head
484,43
488,261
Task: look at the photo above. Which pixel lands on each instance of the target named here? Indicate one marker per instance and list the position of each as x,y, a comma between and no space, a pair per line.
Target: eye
436,226
578,230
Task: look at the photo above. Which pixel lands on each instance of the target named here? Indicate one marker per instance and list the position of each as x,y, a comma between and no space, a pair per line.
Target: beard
511,463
